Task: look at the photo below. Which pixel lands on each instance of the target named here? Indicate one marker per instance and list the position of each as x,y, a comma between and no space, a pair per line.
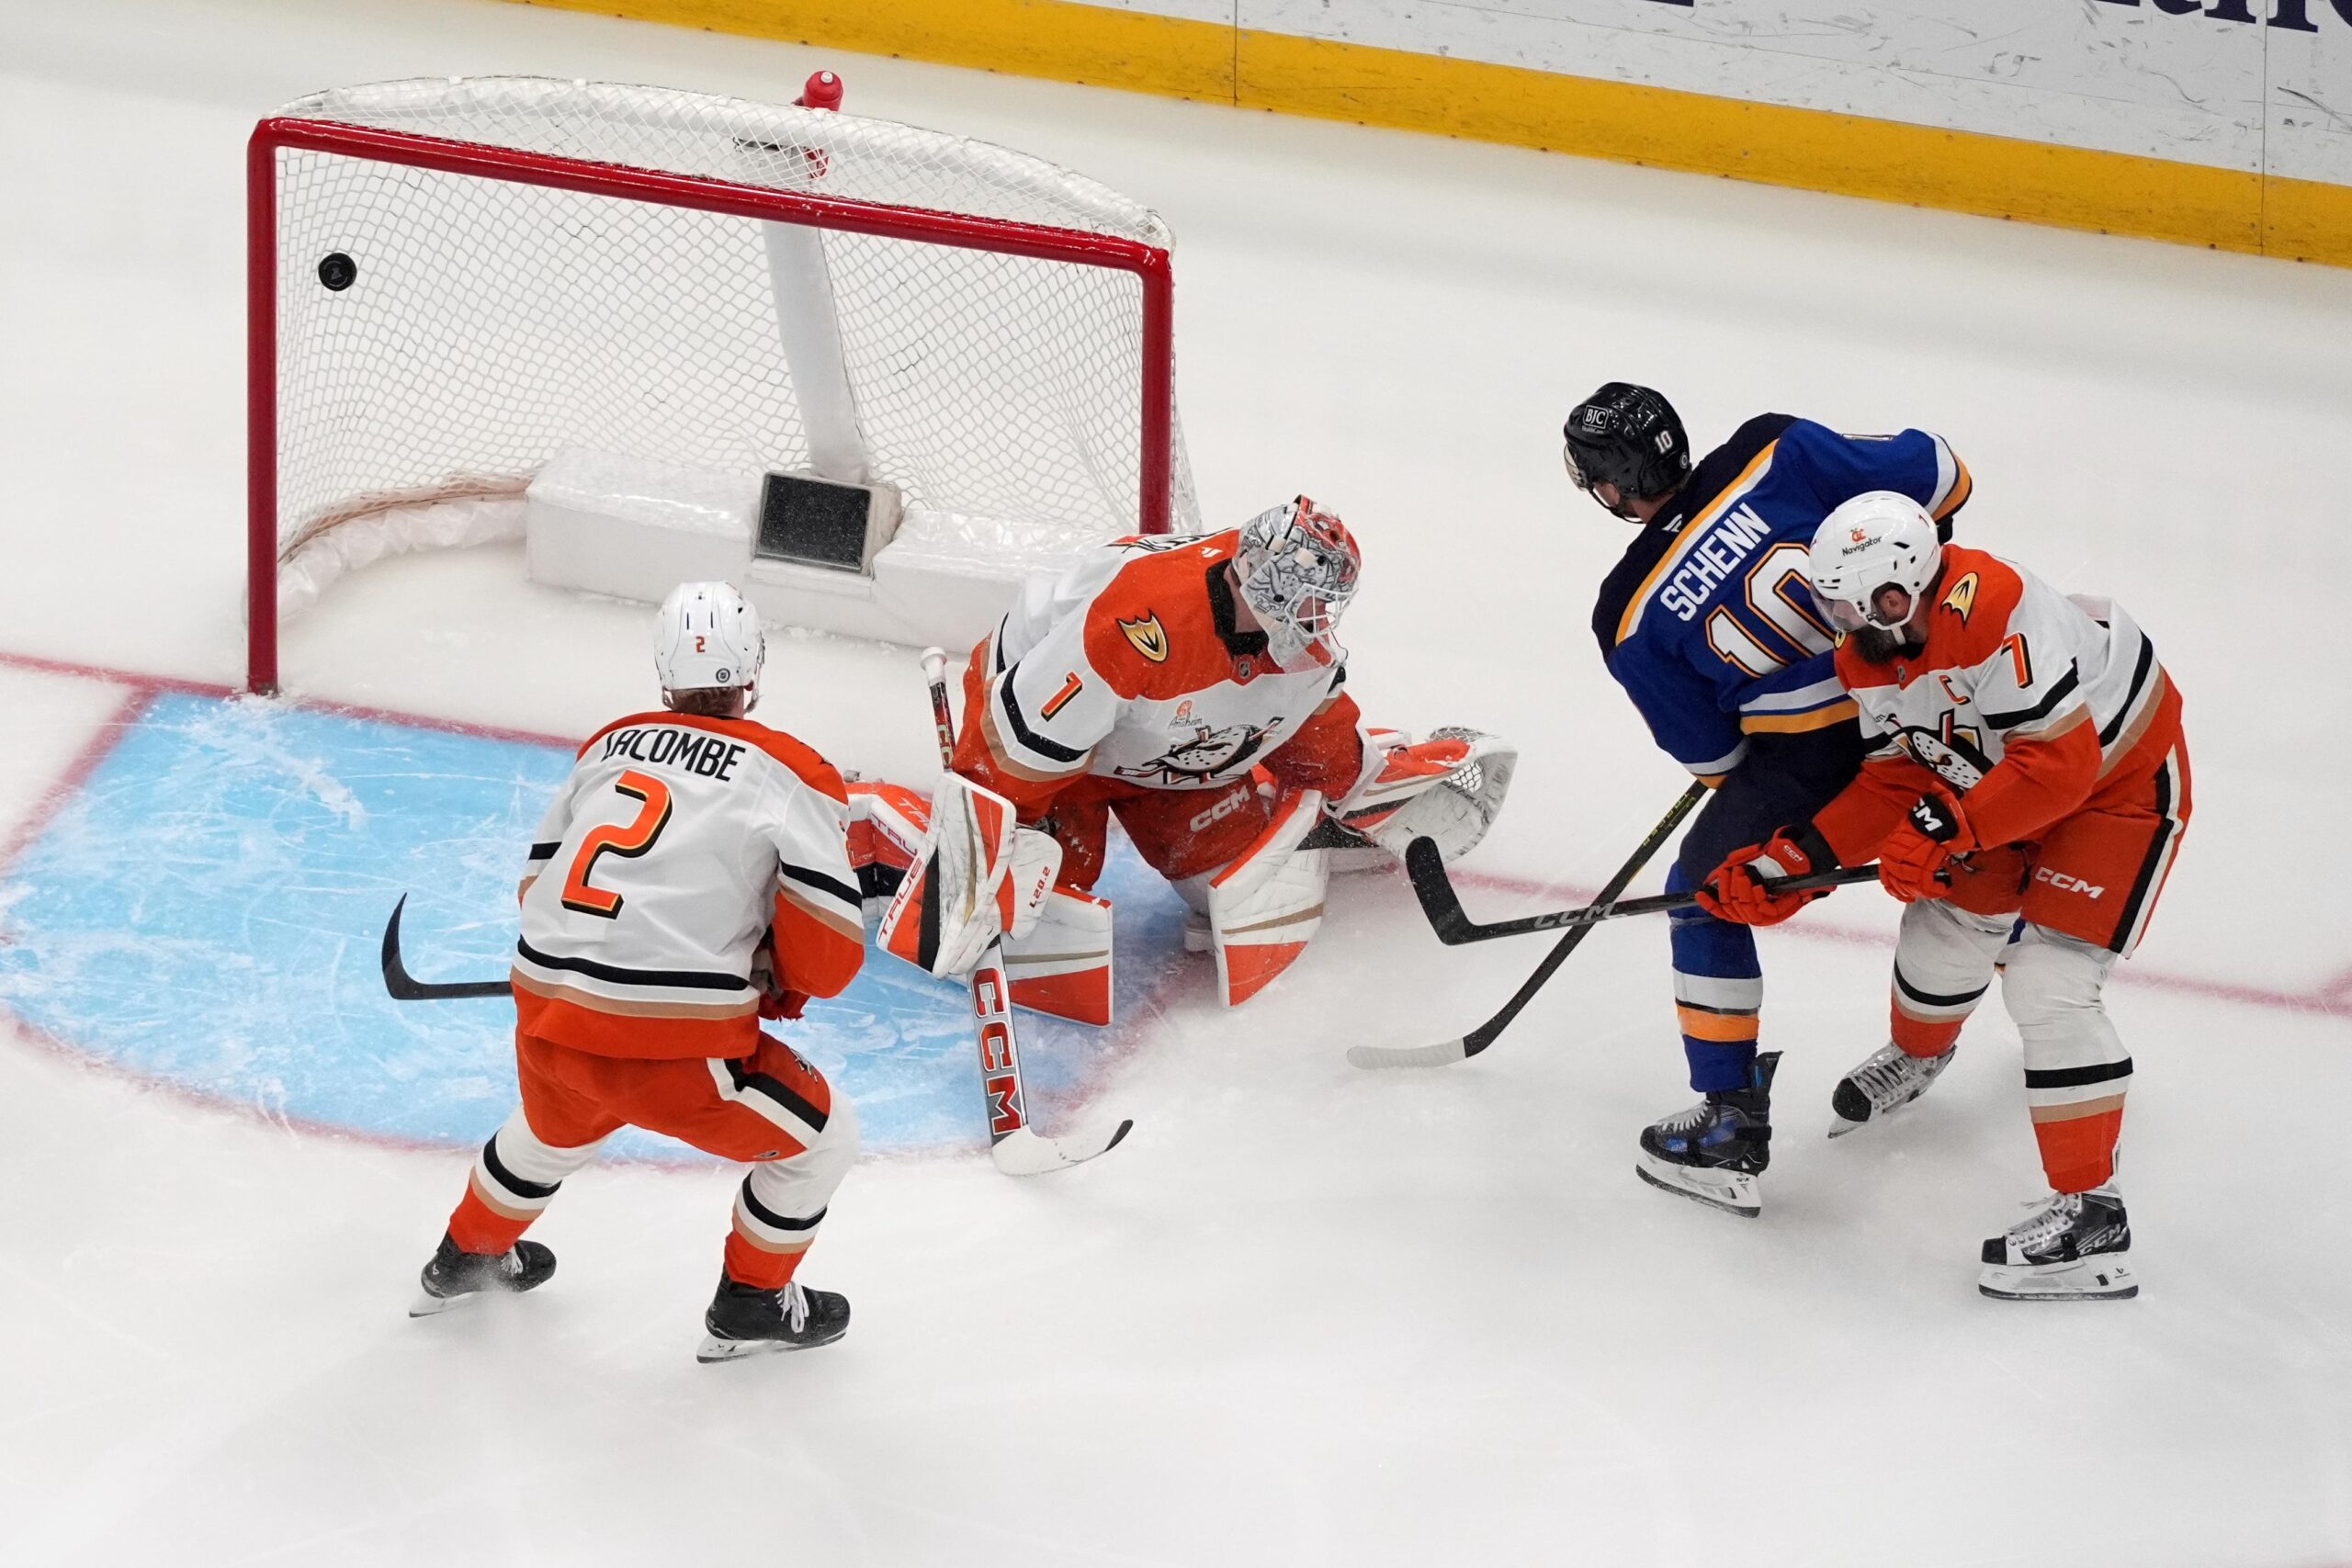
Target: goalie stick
402,986
1018,1148
1463,1047
1426,866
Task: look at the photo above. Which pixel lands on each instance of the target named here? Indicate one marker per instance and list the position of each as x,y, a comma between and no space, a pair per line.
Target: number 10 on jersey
1776,616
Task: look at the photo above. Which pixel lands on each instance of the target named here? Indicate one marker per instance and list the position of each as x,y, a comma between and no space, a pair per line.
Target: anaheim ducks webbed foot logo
1955,758
1203,757
1150,638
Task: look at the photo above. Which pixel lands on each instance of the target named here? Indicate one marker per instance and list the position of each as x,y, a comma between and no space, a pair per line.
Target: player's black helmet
1630,437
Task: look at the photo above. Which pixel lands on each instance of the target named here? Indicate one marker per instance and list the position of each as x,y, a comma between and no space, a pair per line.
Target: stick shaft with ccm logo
1017,1148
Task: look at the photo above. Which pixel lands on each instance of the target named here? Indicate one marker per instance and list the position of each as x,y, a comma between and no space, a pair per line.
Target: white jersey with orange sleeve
675,844
2066,690
1130,666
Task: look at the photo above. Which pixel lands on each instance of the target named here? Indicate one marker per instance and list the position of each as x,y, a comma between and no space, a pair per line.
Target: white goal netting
443,334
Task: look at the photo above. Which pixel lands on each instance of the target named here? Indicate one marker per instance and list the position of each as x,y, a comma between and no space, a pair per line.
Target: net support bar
1150,263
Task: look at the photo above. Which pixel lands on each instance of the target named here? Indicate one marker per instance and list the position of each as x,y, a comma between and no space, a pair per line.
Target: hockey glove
1740,890
776,998
1914,863
1448,788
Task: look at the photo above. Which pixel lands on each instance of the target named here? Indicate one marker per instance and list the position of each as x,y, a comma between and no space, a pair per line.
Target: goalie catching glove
978,875
1447,789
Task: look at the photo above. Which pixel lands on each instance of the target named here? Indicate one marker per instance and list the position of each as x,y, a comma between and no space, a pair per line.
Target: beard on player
1882,644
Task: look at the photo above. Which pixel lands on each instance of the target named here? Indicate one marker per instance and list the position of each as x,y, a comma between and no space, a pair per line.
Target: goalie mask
707,637
1297,567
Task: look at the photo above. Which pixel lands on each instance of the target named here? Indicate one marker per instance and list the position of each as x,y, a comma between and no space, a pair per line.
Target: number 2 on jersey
1779,574
631,839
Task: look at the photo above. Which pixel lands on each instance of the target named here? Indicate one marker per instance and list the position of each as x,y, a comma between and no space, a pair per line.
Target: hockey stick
1426,866
406,988
1017,1148
1478,1039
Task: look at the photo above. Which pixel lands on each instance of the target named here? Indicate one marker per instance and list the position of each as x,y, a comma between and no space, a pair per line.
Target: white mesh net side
488,324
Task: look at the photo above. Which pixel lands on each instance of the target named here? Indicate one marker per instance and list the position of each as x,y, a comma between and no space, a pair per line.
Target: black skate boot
1714,1151
451,1276
744,1320
2074,1246
1887,1080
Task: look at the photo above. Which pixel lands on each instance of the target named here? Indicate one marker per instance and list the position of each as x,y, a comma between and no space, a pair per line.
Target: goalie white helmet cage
1873,542
706,636
1297,567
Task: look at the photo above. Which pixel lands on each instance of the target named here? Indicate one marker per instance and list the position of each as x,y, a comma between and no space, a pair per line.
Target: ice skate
744,1320
1714,1151
2074,1246
1887,1080
451,1275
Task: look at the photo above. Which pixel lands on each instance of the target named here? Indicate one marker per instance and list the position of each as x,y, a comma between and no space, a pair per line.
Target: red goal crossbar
1150,263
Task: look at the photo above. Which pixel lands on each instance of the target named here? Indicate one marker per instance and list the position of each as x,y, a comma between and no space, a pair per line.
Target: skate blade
2103,1279
427,1304
1732,1192
714,1349
1839,1126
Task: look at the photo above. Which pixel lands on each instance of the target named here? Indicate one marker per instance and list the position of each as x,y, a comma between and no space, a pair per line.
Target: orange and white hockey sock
782,1202
1943,966
515,1177
766,1247
2077,1070
2078,1148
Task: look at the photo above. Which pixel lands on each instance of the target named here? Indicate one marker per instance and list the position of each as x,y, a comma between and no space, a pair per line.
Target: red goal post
1162,488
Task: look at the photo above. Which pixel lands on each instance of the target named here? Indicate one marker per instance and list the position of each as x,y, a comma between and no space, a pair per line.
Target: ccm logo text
2066,883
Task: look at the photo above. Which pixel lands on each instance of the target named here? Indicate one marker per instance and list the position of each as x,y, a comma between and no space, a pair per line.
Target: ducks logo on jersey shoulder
1961,600
1150,637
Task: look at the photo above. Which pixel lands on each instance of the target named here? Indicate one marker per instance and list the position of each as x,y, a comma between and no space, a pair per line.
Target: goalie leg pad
1062,965
1267,905
887,823
978,876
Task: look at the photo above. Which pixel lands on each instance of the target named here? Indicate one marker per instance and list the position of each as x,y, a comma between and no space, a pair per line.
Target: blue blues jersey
1707,622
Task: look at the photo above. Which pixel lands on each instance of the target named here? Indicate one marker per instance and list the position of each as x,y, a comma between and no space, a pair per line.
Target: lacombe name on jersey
1715,559
665,745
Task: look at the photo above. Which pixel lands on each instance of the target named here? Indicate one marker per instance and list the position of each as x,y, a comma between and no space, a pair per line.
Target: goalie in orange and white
1193,689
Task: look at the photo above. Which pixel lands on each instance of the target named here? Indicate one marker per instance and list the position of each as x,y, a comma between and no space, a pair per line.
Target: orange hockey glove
1915,862
1740,889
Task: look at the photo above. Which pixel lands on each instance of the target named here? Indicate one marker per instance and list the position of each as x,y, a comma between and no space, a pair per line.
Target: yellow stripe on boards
1813,149
2306,220
1996,177
1054,39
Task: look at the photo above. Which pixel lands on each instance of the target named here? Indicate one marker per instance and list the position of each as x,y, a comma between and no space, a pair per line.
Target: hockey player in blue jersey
1708,626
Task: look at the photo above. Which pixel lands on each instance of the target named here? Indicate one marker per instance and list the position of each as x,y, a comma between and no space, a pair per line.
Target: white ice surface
1305,1314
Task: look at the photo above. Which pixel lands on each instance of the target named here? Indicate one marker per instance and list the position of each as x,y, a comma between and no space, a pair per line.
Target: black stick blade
1425,865
402,986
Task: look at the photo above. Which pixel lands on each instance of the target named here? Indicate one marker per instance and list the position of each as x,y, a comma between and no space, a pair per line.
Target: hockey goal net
452,280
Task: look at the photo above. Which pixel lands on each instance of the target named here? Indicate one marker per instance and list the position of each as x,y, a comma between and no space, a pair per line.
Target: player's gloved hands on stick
776,998
1914,863
1741,888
